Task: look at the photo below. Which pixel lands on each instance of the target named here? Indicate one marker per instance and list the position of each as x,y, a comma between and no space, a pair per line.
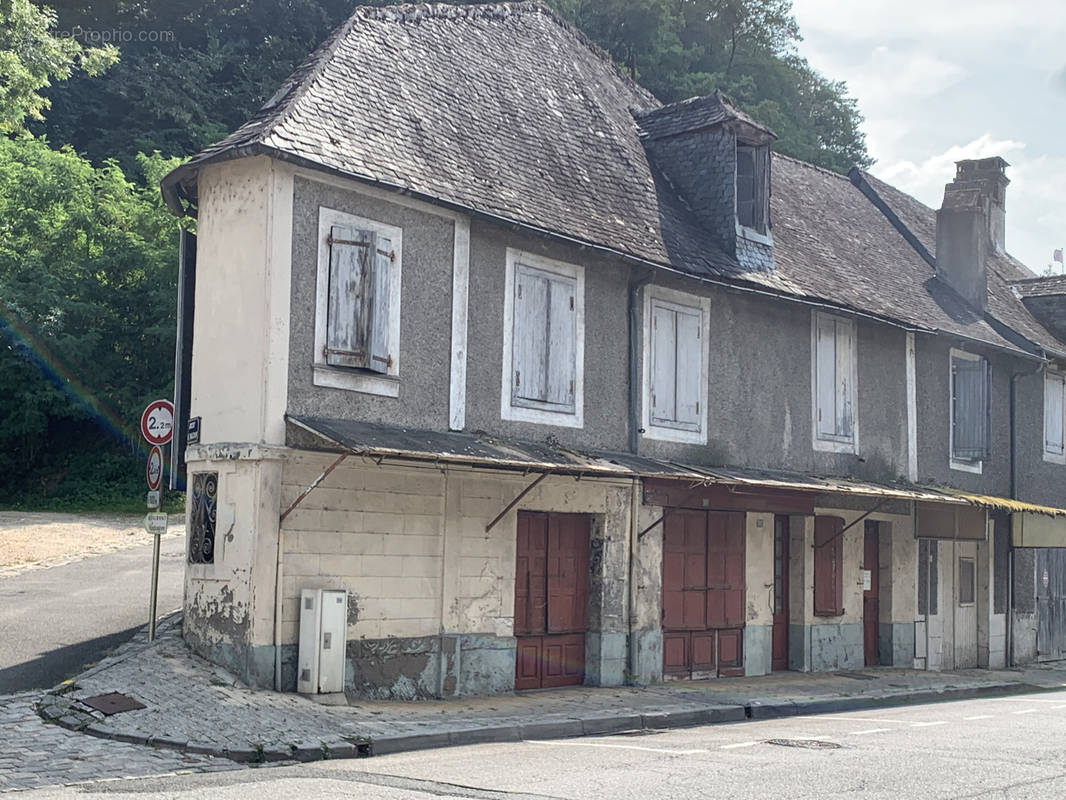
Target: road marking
1023,700
980,716
1025,711
829,718
738,744
1057,708
619,747
928,724
868,731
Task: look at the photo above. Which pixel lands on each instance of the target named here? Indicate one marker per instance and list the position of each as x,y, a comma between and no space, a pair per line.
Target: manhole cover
809,744
113,703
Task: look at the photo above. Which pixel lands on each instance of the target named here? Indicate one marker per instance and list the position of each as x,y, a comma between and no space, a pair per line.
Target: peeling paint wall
759,578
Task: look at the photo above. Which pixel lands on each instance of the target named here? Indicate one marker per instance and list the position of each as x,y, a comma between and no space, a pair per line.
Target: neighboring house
563,385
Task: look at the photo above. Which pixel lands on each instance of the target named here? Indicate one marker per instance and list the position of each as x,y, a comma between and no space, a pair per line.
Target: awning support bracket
695,490
851,524
314,484
518,499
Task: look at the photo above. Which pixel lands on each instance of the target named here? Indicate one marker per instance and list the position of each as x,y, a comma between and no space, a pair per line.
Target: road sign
192,434
153,499
157,422
153,470
155,522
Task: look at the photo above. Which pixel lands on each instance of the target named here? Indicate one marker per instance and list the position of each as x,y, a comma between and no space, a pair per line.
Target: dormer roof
695,114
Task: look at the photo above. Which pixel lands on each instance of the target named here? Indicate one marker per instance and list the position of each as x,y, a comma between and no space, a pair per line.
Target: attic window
753,187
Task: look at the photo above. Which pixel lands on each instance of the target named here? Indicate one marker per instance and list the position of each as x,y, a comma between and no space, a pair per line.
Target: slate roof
1041,287
509,112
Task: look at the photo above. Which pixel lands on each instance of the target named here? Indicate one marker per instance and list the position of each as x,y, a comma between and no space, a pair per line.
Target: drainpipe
634,351
634,541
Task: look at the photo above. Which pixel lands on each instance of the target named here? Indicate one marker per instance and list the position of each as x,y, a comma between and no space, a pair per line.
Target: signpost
157,427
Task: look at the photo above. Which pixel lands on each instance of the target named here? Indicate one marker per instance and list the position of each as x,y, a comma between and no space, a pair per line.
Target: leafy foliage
32,56
87,287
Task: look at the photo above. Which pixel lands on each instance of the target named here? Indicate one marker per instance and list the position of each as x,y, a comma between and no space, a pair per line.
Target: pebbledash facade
566,386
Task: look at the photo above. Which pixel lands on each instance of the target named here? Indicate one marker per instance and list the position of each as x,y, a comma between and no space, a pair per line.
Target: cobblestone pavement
194,706
34,753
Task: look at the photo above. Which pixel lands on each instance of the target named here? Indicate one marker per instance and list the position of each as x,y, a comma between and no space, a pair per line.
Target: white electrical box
323,640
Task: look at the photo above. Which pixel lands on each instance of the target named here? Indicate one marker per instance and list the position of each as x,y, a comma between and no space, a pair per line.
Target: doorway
871,608
1050,604
779,656
703,593
551,599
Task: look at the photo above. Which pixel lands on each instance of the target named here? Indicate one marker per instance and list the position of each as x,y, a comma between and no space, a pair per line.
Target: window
928,577
967,582
834,367
970,391
753,187
203,508
543,341
828,566
357,322
1054,406
675,371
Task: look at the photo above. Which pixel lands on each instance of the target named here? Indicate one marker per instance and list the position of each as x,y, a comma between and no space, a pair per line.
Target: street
58,620
1010,747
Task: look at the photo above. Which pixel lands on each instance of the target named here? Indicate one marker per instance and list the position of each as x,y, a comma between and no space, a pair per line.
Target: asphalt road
990,748
57,620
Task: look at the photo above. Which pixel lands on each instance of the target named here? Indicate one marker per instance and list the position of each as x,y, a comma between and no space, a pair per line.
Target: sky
943,80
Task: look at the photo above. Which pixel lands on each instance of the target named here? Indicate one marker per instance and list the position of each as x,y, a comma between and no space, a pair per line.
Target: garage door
703,594
551,595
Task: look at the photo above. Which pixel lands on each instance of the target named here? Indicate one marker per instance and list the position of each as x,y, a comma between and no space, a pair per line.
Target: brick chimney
971,225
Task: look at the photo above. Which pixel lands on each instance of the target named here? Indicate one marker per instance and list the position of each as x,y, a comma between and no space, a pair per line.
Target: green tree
32,57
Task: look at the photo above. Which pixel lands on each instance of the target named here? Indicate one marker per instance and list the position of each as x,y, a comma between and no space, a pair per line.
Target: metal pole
155,587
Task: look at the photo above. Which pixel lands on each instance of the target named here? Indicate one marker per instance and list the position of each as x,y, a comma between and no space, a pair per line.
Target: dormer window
753,187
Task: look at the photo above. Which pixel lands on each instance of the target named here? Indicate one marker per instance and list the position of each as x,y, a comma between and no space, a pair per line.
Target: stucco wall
1039,481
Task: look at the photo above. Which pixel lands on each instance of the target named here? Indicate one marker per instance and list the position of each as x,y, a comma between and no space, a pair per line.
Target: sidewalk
194,707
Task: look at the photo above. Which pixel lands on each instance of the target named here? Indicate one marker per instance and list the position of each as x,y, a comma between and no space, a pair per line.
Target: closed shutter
845,391
688,369
970,408
663,364
380,358
747,193
761,183
1054,401
348,319
828,558
544,339
825,369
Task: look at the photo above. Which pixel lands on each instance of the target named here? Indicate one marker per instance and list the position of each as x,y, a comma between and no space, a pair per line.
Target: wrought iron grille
202,510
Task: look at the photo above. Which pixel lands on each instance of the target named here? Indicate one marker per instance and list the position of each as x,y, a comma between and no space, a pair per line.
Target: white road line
738,744
868,731
1025,711
1057,708
928,724
1023,700
980,716
830,718
619,747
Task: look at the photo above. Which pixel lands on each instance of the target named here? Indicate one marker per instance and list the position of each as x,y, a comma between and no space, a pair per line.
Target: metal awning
1005,504
381,442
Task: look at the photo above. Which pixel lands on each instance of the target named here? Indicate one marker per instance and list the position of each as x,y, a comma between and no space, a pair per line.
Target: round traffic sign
153,470
157,422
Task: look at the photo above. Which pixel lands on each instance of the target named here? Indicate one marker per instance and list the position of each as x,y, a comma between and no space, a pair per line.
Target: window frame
764,236
823,442
975,466
1049,376
529,410
671,298
353,378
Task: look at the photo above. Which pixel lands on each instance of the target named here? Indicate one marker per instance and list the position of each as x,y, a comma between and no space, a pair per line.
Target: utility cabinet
323,640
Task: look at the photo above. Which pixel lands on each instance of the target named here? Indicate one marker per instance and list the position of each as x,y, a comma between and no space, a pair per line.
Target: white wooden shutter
378,305
663,364
348,318
689,368
1054,402
825,374
845,395
562,341
529,341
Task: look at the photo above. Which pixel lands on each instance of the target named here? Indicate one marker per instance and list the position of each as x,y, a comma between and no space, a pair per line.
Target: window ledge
1055,458
665,434
975,467
752,235
833,446
337,378
542,416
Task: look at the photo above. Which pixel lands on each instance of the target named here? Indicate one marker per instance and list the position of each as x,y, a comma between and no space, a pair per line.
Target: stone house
564,385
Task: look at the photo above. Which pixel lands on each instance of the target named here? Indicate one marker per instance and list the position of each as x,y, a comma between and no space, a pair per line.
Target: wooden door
551,597
703,593
871,611
779,658
965,596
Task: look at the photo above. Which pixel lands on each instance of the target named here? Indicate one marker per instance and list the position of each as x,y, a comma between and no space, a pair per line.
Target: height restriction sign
157,422
154,468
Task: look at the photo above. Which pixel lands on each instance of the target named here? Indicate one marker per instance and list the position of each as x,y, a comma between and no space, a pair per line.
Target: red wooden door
779,657
870,602
703,593
551,595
